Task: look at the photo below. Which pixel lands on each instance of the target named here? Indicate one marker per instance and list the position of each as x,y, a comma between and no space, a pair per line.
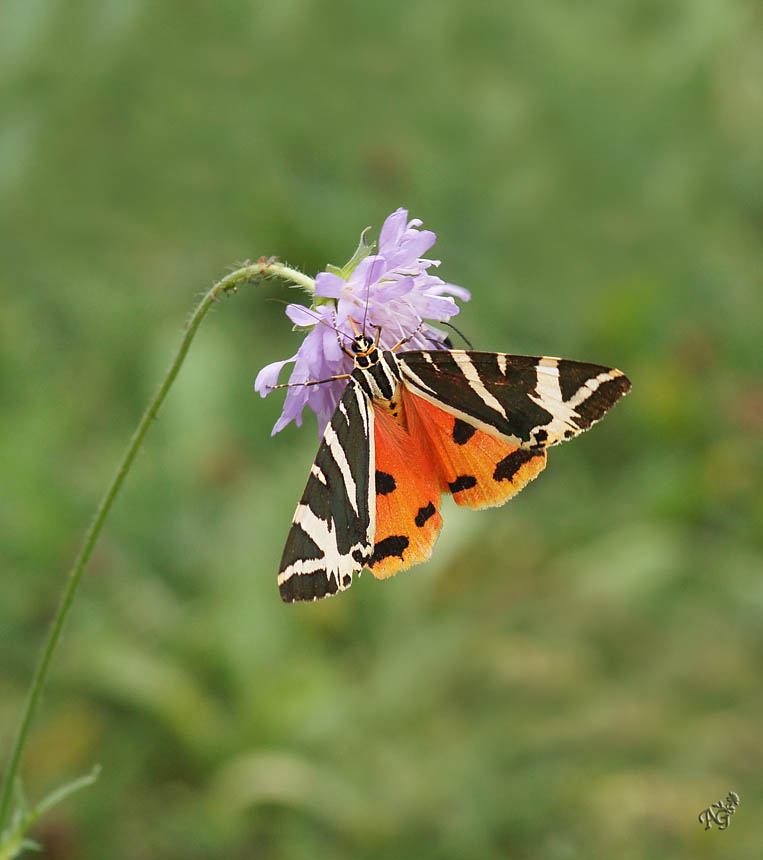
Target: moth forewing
332,532
531,401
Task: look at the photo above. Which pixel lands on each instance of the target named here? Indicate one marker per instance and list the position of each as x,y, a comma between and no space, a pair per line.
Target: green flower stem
249,273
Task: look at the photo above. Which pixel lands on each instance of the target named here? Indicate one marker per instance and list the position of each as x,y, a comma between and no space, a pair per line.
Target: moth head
362,345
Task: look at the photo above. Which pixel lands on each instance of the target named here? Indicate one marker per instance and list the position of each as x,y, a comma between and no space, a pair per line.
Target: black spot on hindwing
462,482
508,467
424,514
462,432
390,546
385,484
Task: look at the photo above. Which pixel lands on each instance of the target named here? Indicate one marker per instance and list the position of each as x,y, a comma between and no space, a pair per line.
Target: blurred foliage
576,675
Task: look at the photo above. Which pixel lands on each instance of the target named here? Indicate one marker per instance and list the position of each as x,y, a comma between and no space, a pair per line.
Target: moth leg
341,345
413,334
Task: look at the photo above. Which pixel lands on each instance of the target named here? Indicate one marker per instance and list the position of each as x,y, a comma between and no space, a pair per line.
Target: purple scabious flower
391,290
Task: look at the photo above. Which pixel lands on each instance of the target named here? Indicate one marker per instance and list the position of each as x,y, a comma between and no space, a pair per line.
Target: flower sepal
361,252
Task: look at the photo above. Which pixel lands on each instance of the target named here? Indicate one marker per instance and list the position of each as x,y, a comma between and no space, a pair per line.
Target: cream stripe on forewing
322,533
548,395
415,379
331,568
392,365
432,398
501,356
551,362
337,453
391,371
367,416
547,383
464,363
590,385
366,410
352,487
335,564
316,470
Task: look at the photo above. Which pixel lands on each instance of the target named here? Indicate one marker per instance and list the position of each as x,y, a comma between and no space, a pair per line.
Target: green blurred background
575,675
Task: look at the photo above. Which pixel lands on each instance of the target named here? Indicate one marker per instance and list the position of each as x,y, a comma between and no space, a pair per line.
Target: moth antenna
311,382
368,296
460,333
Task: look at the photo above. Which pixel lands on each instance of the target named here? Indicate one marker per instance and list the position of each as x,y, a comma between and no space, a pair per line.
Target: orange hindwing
423,454
480,470
408,494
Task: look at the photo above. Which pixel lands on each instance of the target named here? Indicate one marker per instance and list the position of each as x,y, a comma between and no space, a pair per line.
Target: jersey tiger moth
413,425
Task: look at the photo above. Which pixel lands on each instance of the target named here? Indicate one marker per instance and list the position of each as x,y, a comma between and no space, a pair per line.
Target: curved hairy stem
246,274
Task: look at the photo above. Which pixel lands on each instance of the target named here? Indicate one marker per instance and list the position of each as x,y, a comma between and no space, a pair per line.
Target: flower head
390,291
